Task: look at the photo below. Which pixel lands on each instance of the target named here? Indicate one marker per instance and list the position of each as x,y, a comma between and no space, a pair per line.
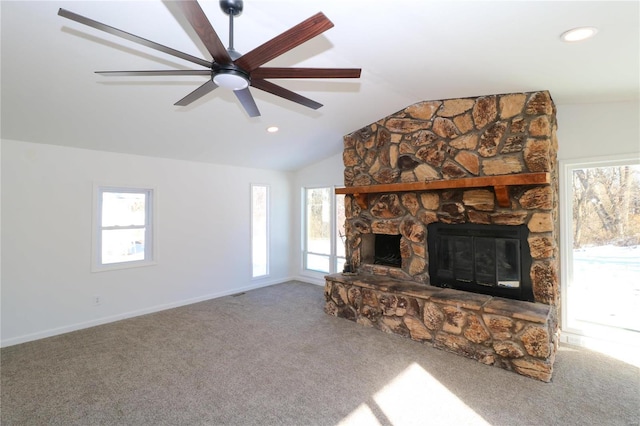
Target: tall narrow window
602,230
125,227
324,236
260,230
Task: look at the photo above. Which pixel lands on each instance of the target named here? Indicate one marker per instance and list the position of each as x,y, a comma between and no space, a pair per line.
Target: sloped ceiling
409,51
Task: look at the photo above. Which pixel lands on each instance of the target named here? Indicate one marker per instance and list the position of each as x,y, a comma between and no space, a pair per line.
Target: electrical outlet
97,300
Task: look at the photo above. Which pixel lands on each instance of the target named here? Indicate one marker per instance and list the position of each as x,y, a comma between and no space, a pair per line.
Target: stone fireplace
479,176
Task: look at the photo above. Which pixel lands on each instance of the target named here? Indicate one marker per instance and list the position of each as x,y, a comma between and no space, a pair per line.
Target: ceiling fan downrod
232,8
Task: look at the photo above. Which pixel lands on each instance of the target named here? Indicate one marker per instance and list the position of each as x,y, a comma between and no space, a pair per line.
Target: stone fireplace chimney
477,162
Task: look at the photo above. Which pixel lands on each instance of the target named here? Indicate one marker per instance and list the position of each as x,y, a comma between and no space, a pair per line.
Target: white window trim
333,256
152,227
573,335
268,236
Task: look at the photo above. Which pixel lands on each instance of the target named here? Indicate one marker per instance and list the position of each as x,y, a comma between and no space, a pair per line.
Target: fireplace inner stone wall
454,140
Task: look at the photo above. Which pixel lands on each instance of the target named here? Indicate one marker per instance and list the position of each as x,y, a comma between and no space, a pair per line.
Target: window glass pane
340,261
340,234
259,231
605,289
122,245
318,220
318,263
123,209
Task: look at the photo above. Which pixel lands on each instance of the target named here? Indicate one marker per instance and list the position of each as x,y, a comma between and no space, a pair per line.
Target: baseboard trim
125,315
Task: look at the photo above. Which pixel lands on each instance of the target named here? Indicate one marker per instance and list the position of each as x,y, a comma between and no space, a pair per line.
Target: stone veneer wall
451,139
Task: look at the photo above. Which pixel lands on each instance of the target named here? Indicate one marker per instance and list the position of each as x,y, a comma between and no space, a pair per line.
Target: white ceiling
409,51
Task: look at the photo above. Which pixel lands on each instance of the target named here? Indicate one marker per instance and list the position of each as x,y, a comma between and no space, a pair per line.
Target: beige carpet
272,357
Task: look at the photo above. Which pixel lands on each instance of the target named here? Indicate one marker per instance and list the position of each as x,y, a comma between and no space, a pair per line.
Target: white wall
203,231
596,130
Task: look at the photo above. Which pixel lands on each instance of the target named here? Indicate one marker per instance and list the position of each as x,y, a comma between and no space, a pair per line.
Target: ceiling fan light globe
231,81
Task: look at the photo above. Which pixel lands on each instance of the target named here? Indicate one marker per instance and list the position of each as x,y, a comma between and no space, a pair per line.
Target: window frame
267,230
333,226
571,334
150,226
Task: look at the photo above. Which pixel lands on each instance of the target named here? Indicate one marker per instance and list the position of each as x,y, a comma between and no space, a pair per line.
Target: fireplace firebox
487,259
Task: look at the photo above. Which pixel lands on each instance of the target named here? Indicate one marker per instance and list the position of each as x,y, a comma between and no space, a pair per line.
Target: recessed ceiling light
272,129
578,34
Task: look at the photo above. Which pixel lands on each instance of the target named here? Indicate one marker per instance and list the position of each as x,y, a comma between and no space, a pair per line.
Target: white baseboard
105,320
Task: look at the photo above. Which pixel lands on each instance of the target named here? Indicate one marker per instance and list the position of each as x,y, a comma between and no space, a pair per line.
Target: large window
260,230
124,231
601,225
323,245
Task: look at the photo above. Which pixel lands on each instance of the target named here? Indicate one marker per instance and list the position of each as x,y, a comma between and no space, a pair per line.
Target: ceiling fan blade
153,73
131,37
274,89
197,94
295,36
247,101
198,20
266,72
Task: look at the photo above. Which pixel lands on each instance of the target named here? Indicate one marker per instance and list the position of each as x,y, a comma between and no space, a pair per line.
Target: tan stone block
454,319
452,170
540,126
339,294
425,172
513,144
375,167
423,110
410,202
478,217
533,368
393,156
445,128
511,105
354,294
430,200
540,197
350,157
405,148
491,138
417,330
362,180
405,248
432,316
469,161
498,323
427,217
542,247
387,206
433,154
331,308
509,218
540,103
349,141
407,177
423,137
417,266
502,166
536,341
387,227
537,155
479,199
413,230
541,222
475,331
464,122
453,107
396,138
406,125
419,250
484,111
544,277
386,175
518,125
508,349
457,344
468,141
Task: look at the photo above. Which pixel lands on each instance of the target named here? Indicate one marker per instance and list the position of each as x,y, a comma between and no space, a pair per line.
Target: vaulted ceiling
409,51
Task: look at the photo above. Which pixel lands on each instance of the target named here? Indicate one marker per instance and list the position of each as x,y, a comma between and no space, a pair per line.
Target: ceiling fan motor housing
232,7
230,76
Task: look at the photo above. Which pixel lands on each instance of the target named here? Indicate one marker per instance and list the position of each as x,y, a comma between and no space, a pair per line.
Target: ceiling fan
229,68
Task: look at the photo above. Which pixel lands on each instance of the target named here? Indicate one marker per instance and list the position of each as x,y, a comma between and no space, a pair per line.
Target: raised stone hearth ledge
514,335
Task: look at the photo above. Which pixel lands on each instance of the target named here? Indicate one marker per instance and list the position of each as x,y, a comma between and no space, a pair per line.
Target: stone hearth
464,148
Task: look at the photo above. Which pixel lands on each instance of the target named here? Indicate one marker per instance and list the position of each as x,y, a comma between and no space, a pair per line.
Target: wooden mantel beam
499,183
